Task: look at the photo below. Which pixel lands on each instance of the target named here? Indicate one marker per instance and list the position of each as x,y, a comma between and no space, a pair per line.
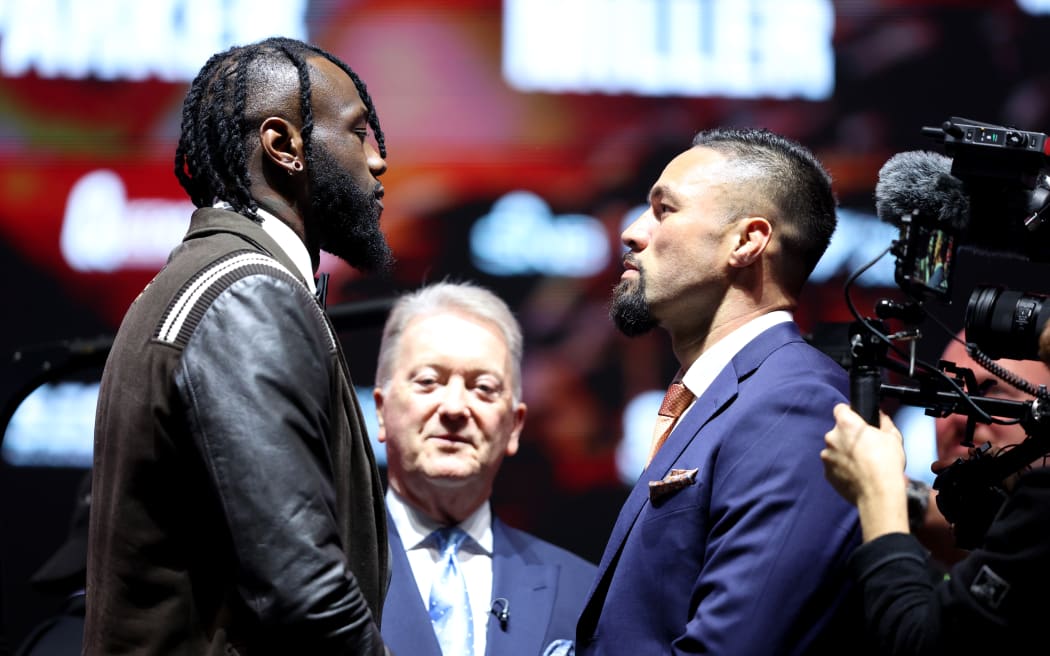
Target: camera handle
865,372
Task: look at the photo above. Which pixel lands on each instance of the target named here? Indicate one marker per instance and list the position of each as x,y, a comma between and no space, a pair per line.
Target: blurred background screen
523,135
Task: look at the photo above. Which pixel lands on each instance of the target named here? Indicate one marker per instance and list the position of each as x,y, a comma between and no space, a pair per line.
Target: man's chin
373,258
625,287
632,319
450,476
950,456
382,268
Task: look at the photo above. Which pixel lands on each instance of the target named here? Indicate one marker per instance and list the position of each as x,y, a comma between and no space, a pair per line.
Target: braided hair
211,159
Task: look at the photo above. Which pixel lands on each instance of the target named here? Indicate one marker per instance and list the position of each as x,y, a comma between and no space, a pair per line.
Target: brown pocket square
674,481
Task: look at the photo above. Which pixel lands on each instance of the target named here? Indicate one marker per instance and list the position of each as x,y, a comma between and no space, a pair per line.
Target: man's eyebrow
354,112
661,191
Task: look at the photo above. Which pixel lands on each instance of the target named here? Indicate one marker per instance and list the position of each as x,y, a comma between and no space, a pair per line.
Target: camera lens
1006,323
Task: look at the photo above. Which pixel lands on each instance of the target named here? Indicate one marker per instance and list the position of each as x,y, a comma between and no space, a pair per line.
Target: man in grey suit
448,396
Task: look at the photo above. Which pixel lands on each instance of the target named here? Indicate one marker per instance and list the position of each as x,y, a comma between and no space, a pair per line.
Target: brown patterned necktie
676,400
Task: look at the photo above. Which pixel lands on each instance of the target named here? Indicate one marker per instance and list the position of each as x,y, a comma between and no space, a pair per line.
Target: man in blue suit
731,542
448,397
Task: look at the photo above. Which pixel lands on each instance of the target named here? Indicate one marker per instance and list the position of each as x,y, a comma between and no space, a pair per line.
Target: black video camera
992,195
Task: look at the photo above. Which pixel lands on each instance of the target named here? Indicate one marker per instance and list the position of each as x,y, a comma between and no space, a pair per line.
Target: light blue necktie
449,604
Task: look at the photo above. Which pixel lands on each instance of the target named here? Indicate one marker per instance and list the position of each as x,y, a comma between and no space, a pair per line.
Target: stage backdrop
523,135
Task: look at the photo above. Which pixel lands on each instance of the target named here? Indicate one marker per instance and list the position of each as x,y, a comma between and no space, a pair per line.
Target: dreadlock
211,159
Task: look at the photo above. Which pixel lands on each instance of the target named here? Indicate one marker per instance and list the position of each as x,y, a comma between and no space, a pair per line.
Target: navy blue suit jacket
749,557
544,585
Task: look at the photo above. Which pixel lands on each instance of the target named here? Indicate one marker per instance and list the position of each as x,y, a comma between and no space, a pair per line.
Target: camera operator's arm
866,466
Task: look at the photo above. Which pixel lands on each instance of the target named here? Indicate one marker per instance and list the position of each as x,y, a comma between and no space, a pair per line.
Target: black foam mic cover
920,181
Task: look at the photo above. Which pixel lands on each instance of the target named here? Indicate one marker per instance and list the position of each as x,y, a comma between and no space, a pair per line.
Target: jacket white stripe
182,305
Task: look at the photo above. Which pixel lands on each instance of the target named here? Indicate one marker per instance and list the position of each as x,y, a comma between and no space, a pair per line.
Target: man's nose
636,236
376,163
454,399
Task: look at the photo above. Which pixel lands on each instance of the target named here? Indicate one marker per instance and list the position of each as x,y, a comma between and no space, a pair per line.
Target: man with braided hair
237,504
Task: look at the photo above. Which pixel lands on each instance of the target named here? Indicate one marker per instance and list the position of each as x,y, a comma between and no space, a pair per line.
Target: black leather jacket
237,504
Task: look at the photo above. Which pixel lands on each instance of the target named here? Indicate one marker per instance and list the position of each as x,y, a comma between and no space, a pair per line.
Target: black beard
629,309
345,216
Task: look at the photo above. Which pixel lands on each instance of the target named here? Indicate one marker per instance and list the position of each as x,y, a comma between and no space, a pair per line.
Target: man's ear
377,396
754,234
282,144
515,433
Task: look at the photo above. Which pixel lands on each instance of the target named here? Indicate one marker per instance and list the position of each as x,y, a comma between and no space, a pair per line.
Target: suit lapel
529,589
721,392
406,623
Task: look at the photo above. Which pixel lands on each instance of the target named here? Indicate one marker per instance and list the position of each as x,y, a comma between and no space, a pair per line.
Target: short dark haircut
793,182
211,160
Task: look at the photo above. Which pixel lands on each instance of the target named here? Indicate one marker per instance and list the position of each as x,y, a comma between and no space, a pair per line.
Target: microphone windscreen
921,181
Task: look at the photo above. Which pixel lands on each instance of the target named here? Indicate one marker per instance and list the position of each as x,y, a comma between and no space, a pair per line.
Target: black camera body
984,151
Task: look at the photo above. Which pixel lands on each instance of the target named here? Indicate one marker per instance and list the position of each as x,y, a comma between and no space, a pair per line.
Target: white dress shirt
474,557
287,240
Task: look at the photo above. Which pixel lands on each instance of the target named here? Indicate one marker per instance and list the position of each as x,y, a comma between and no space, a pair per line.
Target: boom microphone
921,181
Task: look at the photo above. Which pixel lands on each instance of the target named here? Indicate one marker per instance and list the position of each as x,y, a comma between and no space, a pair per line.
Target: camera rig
994,197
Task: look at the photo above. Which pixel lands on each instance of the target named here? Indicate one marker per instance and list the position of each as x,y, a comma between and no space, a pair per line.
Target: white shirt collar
703,371
286,239
414,527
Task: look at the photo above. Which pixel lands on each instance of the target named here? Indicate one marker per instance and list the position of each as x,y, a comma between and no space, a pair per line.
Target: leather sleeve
255,379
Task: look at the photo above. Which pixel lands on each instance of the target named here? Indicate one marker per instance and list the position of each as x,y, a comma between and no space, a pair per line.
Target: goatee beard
629,310
345,216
